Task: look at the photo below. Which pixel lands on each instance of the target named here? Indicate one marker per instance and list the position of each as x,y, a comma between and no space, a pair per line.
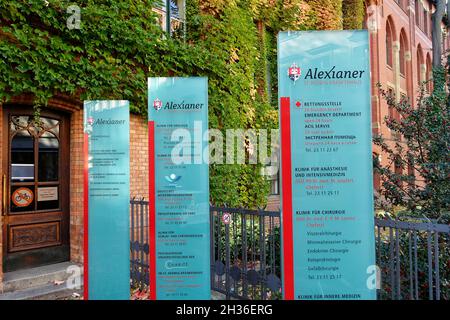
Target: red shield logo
294,72
157,104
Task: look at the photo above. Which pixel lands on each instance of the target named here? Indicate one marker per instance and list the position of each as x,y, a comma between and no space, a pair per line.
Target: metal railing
139,248
245,253
413,254
414,258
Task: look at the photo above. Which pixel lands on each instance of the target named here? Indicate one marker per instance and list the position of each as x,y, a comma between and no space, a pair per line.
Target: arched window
389,41
425,21
411,173
429,73
403,48
417,13
376,171
392,113
398,169
420,63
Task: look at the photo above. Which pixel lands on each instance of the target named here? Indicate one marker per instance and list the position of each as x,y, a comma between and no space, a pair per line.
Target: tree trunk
436,32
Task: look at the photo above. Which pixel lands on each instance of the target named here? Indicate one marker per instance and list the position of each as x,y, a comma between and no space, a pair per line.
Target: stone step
37,277
49,291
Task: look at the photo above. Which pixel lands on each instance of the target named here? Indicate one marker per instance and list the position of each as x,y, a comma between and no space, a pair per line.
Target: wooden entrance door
35,204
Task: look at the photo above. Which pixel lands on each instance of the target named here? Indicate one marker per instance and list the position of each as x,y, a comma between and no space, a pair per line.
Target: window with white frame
177,12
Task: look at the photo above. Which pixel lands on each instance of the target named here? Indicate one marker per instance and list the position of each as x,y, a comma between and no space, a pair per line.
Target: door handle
4,195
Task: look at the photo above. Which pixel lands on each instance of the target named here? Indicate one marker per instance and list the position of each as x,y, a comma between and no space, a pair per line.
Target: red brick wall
273,203
76,187
138,157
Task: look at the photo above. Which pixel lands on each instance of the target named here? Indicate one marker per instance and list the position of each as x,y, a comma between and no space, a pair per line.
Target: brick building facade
401,57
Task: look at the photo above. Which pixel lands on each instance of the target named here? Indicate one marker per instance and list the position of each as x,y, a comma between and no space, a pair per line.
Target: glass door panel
48,157
22,157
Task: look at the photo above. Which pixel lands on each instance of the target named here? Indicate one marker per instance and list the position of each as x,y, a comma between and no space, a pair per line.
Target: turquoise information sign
326,165
106,200
179,189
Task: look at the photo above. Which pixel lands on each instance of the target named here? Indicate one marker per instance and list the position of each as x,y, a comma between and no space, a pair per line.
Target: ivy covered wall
328,12
353,12
119,45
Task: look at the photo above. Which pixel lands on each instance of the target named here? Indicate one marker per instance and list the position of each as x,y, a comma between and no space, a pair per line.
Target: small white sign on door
47,194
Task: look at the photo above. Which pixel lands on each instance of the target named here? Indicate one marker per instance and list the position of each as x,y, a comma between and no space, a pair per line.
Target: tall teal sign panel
326,162
179,188
107,200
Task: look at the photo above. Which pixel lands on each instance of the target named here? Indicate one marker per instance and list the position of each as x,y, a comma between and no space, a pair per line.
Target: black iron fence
414,259
413,255
245,253
139,247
